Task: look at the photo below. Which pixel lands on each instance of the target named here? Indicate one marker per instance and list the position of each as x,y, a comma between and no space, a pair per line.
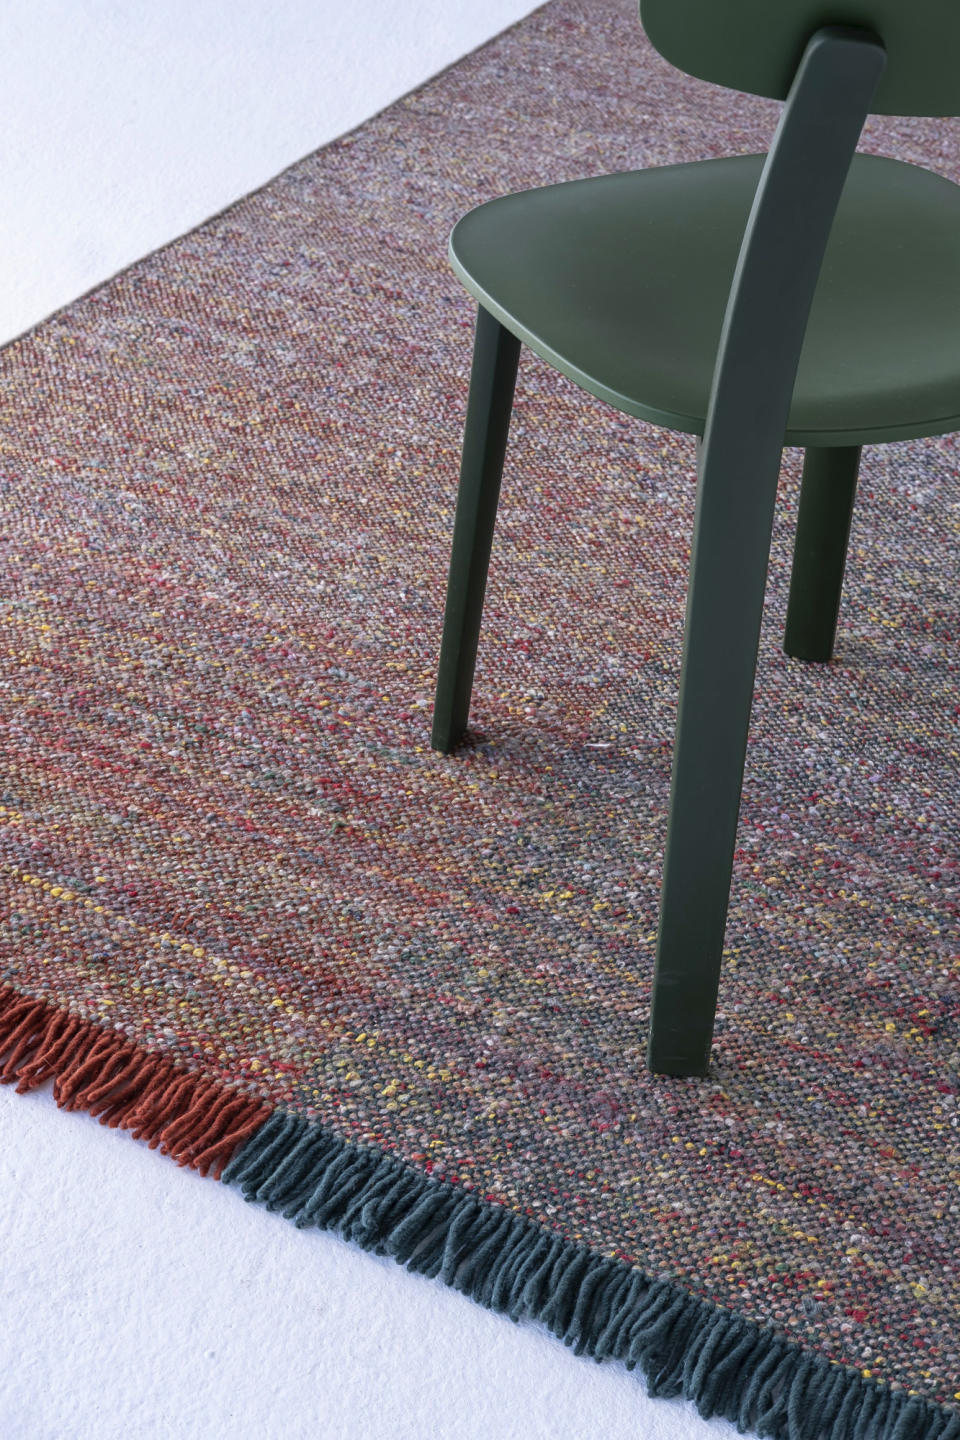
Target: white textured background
124,123
138,1299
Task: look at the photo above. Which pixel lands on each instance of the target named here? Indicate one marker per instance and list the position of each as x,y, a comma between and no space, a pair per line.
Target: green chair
807,297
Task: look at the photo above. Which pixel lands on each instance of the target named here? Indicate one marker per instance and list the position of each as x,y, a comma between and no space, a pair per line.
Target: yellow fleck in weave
227,482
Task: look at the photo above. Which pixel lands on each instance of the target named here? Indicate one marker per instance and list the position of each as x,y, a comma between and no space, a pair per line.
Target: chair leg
724,607
773,286
496,353
827,491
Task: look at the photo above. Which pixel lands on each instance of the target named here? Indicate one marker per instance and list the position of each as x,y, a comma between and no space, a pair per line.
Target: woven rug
251,917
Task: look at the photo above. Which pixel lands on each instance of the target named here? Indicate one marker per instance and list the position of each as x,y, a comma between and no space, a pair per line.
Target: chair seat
621,283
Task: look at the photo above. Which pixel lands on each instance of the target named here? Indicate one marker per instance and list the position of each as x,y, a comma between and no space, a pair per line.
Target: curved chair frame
738,468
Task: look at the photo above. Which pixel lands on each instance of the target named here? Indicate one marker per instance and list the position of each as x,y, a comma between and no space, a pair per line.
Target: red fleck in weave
227,482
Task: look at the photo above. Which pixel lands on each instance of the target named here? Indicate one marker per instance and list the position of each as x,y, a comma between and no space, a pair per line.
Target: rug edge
597,1305
730,1367
197,1121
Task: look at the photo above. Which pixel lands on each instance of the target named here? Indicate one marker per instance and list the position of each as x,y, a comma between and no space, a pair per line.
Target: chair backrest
756,45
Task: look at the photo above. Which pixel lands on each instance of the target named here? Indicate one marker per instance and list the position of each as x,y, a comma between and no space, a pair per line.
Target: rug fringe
195,1120
728,1366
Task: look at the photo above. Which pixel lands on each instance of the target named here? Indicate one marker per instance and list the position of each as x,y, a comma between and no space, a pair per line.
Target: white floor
126,124
136,1299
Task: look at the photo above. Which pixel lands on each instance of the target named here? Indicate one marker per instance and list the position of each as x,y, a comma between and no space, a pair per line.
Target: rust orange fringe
197,1121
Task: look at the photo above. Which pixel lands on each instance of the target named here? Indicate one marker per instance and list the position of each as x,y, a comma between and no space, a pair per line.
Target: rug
250,917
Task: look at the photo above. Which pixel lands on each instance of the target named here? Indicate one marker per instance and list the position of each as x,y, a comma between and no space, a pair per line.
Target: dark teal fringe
728,1366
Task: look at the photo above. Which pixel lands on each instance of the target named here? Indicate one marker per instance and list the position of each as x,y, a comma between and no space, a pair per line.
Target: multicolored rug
249,915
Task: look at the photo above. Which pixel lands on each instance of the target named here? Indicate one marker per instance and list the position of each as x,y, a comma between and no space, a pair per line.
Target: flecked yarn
229,858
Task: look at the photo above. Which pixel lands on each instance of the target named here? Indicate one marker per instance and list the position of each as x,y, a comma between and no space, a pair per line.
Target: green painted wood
755,45
828,488
496,354
809,297
621,283
763,329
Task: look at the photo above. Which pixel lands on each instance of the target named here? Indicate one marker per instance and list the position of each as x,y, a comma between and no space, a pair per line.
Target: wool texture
250,916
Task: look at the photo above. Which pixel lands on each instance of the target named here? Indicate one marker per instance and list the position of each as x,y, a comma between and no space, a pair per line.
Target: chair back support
756,45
